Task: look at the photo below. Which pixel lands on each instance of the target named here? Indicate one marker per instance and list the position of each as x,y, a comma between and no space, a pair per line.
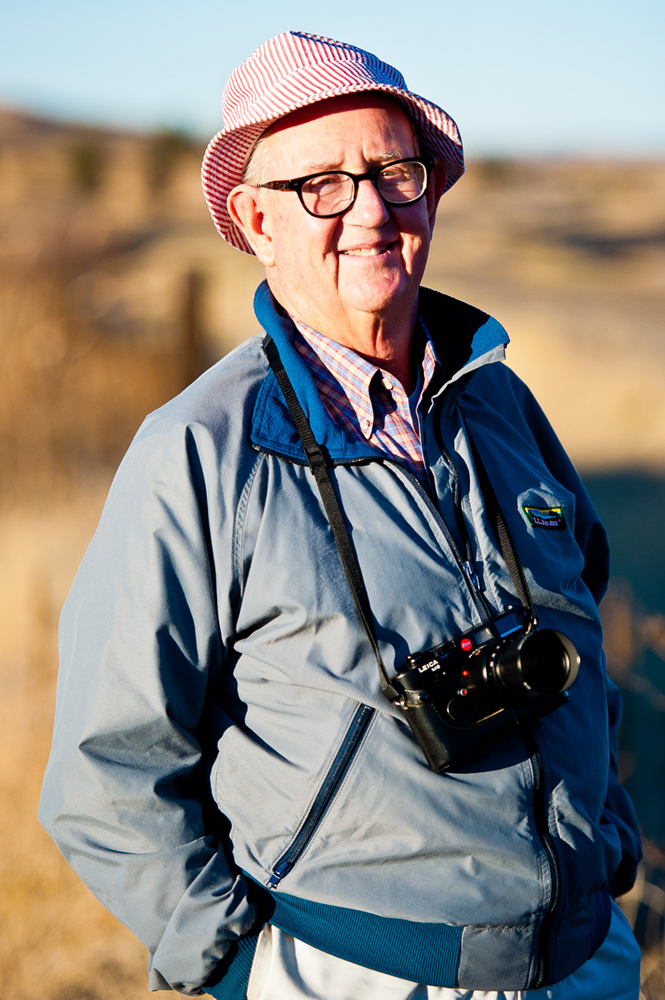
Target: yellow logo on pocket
549,518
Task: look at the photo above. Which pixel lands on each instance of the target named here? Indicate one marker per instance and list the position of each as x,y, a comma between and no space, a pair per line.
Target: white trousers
285,968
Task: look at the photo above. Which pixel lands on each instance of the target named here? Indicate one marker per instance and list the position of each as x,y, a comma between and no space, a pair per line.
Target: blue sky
572,77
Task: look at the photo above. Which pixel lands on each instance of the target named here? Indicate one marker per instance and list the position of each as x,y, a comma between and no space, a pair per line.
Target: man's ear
245,205
435,188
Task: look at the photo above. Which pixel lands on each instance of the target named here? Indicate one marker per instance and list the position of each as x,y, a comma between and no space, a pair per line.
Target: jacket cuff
232,974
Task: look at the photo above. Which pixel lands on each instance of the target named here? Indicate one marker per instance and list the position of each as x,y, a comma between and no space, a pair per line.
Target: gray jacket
223,754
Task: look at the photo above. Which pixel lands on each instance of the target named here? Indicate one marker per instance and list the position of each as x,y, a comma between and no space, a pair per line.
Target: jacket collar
465,338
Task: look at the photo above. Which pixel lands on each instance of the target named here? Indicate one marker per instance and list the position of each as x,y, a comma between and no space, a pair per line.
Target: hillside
116,291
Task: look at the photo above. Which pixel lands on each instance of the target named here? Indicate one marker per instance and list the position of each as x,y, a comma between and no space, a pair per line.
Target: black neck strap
318,464
506,543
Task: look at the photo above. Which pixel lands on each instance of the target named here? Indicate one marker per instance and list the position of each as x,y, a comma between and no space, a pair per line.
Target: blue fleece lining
272,429
233,985
408,949
272,426
490,335
280,328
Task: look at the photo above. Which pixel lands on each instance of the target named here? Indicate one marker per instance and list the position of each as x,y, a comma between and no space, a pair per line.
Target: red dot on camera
466,644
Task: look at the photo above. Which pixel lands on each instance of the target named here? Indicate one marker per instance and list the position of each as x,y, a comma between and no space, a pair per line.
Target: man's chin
379,295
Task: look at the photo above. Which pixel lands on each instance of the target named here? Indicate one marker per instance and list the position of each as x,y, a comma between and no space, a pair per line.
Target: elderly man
333,716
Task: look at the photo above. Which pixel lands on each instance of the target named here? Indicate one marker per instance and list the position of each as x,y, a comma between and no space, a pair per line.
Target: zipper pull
278,873
472,576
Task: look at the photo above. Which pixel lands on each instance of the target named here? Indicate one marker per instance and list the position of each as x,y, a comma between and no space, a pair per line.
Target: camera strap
506,544
318,464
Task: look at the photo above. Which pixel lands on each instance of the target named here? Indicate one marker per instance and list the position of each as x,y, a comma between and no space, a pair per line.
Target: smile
368,251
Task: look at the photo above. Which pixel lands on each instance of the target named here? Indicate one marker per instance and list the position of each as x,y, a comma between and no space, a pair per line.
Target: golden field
115,291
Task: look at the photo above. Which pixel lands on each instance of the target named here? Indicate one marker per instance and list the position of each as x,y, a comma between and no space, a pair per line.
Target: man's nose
369,209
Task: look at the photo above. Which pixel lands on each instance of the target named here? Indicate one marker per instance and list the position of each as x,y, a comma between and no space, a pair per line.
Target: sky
575,77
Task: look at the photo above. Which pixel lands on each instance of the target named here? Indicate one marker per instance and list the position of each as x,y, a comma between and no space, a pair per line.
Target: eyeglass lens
333,193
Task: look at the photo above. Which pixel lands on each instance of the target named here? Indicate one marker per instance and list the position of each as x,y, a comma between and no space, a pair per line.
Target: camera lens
533,664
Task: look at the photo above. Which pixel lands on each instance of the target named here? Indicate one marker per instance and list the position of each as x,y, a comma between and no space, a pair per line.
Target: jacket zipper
326,794
466,567
539,803
540,814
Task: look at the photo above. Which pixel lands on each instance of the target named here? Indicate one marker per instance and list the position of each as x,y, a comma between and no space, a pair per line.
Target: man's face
368,262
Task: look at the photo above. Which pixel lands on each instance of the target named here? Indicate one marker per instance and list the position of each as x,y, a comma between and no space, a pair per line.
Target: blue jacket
223,754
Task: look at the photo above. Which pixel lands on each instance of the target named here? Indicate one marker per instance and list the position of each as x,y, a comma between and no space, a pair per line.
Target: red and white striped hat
291,71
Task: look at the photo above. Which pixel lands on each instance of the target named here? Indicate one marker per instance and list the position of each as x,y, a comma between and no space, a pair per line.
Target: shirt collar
356,375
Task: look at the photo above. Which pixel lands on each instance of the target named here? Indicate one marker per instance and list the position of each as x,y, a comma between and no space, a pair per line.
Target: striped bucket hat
291,71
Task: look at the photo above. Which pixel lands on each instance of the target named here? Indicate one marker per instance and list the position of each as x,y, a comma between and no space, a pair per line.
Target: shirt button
386,383
365,424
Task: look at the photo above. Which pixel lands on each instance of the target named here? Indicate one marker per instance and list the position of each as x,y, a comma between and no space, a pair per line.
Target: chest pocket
540,514
545,514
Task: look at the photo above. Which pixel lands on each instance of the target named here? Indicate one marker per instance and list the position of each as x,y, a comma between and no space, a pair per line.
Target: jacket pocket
325,796
547,542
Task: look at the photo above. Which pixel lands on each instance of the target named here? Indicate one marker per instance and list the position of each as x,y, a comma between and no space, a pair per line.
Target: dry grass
115,289
57,942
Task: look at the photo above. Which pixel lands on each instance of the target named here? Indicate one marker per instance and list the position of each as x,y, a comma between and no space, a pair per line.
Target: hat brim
227,152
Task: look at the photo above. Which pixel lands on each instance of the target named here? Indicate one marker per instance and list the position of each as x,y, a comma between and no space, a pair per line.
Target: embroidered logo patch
550,518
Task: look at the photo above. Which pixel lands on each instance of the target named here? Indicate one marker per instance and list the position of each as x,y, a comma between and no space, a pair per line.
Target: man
236,771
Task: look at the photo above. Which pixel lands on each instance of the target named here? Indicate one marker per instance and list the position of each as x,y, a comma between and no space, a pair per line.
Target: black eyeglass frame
296,184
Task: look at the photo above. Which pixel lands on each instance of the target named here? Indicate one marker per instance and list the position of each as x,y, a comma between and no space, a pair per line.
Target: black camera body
466,693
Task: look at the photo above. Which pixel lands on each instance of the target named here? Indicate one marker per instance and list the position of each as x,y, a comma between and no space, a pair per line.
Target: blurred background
115,292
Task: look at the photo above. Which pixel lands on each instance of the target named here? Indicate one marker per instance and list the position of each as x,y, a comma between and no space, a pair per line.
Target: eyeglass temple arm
280,185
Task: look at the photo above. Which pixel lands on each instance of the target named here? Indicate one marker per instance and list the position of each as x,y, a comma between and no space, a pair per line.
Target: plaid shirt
367,401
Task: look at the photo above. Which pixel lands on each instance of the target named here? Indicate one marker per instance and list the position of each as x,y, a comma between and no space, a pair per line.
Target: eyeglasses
334,192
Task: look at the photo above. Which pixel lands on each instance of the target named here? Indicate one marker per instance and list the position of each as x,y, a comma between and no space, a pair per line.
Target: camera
462,695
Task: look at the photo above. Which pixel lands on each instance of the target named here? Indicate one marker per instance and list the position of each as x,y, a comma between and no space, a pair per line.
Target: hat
294,70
